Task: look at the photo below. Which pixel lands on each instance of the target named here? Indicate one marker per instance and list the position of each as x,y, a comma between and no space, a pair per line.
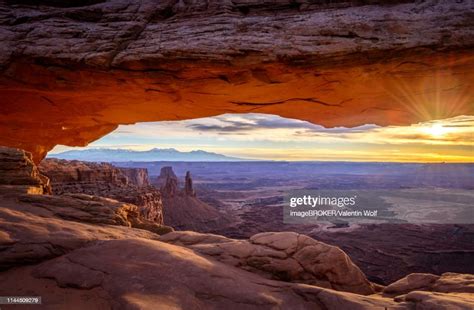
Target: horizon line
245,159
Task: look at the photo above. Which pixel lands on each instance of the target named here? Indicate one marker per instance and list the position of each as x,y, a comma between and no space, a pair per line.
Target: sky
261,136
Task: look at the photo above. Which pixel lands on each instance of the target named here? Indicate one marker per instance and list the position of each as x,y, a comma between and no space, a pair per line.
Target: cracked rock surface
283,256
148,274
31,234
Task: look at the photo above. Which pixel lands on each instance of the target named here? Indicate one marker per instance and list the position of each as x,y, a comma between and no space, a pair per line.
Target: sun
436,130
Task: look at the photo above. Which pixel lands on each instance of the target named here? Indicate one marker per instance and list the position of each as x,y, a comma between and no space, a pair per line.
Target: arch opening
265,137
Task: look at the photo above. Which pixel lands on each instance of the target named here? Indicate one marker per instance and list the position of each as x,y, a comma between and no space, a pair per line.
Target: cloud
273,137
251,122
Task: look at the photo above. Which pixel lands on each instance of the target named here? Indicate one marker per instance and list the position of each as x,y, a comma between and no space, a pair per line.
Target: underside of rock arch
72,71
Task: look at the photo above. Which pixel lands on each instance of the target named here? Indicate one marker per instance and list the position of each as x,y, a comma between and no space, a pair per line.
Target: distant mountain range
116,155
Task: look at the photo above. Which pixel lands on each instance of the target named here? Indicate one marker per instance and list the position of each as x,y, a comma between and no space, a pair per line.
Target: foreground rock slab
448,282
97,266
146,274
31,234
283,256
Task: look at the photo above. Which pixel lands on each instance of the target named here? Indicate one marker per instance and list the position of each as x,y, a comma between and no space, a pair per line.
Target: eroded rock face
168,182
41,227
64,174
188,185
70,74
19,174
428,291
137,176
86,208
94,209
102,179
183,210
283,256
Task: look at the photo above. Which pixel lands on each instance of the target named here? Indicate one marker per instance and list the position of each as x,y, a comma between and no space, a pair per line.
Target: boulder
283,256
412,282
448,282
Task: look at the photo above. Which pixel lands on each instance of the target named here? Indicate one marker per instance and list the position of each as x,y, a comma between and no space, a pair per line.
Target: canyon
87,235
79,250
71,72
182,209
130,185
253,194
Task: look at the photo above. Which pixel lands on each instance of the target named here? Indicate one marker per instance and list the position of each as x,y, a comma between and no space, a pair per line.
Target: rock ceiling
72,71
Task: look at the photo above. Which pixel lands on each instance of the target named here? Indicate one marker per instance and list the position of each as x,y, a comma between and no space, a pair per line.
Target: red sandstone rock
168,181
188,185
102,179
71,73
157,275
183,210
137,176
283,256
448,282
31,233
19,174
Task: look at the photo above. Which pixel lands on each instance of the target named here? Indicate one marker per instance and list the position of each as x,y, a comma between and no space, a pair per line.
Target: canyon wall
137,176
102,179
72,71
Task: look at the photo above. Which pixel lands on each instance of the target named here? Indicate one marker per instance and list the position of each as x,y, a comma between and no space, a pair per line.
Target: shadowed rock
168,181
197,282
188,185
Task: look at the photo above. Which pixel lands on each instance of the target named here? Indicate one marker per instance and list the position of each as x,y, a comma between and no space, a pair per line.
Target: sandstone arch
71,74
